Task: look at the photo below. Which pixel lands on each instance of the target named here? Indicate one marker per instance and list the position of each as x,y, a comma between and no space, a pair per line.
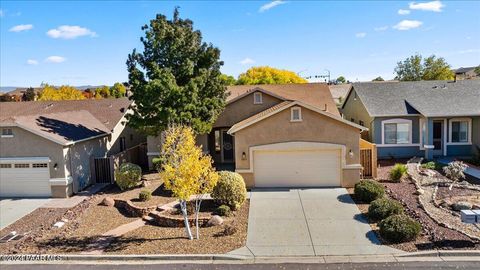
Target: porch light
55,166
244,156
350,153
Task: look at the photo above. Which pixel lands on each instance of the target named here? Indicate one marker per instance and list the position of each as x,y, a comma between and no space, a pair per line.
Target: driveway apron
309,222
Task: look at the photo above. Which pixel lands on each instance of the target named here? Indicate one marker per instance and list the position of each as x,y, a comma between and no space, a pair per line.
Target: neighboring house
424,118
46,147
464,73
289,135
18,93
339,92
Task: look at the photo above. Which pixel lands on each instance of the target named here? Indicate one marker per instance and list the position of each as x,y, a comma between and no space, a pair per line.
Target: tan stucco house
289,135
46,147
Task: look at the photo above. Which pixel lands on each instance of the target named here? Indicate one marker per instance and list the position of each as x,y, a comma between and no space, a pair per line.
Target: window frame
398,121
10,135
469,131
217,141
299,109
260,101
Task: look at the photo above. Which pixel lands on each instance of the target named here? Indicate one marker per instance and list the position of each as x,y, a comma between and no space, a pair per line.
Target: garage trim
24,160
298,146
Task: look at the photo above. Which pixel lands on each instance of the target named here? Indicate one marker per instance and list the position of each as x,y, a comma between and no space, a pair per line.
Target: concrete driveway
309,222
12,210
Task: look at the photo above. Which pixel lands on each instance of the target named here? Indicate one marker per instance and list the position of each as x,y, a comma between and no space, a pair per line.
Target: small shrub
397,172
455,171
230,190
383,208
368,190
157,163
399,228
223,210
145,195
229,229
128,175
431,165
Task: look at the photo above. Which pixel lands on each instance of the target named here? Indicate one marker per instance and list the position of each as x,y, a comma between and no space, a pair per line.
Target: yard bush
432,165
383,208
230,190
128,175
145,195
157,163
223,210
368,190
399,228
397,172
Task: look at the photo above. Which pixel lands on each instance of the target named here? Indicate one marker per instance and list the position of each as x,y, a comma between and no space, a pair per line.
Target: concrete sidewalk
14,209
308,222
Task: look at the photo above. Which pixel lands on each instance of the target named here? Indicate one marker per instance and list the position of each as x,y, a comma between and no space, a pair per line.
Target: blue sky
79,43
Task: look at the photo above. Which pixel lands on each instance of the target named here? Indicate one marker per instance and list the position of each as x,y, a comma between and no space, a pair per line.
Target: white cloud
32,62
21,27
403,11
70,32
361,35
435,6
55,59
271,5
380,28
247,61
407,25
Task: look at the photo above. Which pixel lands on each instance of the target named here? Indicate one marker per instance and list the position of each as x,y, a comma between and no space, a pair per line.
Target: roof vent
435,87
110,105
326,107
444,86
49,106
106,122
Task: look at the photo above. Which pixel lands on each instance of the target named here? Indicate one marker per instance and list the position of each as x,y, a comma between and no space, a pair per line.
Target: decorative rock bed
429,183
133,210
164,219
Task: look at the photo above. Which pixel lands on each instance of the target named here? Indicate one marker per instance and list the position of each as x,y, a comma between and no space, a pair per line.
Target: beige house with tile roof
289,135
46,147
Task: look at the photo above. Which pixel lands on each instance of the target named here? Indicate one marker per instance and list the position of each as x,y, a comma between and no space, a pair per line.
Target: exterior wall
78,157
132,138
244,108
314,128
355,109
27,144
466,150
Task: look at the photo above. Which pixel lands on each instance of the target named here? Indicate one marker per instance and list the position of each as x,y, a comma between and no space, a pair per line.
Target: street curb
441,253
168,257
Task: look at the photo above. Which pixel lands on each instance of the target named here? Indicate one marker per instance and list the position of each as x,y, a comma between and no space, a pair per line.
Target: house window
5,166
123,145
21,165
217,141
296,114
460,130
7,133
39,165
257,98
397,131
361,123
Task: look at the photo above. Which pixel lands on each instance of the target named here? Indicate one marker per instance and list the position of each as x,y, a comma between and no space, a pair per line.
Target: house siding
356,109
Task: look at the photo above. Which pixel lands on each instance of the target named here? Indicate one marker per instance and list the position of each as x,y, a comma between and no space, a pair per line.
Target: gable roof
282,106
428,98
313,94
464,70
340,91
66,121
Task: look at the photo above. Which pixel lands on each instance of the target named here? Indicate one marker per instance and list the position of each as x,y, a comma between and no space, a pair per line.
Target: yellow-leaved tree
186,171
64,92
269,75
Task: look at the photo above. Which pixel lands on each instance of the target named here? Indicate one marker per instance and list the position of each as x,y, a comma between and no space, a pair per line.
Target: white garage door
24,179
297,168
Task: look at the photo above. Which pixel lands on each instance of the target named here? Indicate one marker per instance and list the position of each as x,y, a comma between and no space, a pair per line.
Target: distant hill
5,89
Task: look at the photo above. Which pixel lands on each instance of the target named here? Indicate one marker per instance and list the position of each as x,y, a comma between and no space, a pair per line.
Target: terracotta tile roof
65,121
314,94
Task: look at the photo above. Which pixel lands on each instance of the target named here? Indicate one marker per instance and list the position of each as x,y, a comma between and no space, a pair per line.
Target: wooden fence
368,159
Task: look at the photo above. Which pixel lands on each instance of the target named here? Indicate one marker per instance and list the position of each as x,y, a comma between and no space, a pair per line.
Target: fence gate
103,170
366,161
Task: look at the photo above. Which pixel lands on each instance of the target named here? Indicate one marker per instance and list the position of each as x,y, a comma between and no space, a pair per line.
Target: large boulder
458,206
107,201
215,221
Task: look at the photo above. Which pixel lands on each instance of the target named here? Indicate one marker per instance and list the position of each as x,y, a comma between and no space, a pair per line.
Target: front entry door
438,138
227,147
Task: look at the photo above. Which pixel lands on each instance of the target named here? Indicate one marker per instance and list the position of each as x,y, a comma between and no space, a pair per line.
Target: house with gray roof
47,147
422,118
465,73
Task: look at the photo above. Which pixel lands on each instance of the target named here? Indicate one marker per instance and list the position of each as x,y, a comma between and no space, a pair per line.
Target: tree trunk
183,207
198,202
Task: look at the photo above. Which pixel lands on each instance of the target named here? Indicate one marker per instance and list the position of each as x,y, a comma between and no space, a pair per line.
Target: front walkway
308,222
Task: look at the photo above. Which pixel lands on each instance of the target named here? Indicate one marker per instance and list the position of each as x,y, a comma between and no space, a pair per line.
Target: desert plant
383,208
229,229
368,190
397,172
145,195
230,190
432,165
455,171
223,210
128,175
157,163
399,228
